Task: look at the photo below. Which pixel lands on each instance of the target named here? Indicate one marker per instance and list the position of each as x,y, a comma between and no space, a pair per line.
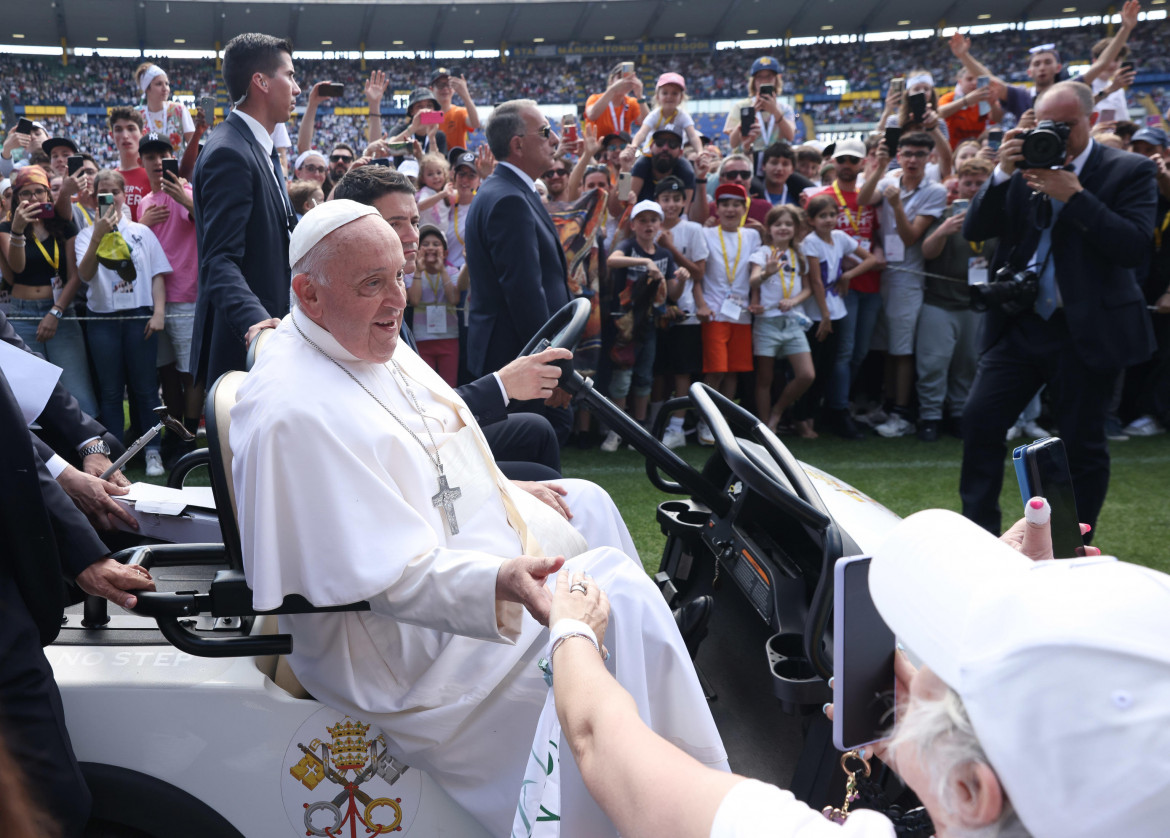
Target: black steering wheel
801,501
562,331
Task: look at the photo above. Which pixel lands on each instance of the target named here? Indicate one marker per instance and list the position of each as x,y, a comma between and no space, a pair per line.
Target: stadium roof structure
377,25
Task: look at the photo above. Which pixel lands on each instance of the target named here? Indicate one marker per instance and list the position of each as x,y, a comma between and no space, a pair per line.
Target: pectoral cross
446,498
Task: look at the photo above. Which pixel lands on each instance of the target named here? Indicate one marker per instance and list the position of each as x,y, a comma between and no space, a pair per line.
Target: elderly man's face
536,151
362,302
400,211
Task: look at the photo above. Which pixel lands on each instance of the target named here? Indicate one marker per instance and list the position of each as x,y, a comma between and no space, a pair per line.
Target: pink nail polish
1036,503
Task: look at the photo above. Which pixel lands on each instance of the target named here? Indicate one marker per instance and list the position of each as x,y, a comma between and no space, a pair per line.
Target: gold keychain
838,815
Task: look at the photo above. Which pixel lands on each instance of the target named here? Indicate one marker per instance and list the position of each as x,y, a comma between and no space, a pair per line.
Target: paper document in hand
161,500
31,378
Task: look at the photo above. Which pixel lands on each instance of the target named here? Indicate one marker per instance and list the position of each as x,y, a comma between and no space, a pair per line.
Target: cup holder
682,516
794,681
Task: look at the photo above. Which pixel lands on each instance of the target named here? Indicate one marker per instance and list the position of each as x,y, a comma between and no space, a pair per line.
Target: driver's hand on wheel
533,376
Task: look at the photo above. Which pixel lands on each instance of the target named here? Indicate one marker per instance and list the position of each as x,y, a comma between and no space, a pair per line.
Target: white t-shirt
784,284
690,241
829,256
681,121
757,810
439,214
905,264
432,291
456,230
1115,101
728,275
108,292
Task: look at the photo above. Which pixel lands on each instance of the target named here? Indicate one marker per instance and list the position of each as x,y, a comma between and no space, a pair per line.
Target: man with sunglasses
735,169
340,159
514,255
556,179
665,160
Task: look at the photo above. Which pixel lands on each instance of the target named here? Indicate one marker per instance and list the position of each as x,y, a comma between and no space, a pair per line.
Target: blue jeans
66,349
854,332
123,359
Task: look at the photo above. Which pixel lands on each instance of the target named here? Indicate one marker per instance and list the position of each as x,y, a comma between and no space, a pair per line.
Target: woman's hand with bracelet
47,328
25,215
590,607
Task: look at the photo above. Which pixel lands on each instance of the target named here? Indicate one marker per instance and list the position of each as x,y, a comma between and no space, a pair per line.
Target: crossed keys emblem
349,752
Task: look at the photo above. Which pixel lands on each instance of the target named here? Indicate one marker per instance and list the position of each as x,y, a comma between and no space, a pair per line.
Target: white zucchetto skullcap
320,222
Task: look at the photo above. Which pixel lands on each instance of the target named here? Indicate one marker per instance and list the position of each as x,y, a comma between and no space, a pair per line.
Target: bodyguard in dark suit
242,211
47,540
1089,321
514,255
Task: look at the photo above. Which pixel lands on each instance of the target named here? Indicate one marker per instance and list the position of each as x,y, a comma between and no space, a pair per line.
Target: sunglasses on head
596,170
738,174
668,142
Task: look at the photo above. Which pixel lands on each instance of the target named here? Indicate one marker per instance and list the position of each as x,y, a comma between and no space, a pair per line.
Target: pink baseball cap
671,78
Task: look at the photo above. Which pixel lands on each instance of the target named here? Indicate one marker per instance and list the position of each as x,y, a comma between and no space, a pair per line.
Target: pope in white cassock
360,475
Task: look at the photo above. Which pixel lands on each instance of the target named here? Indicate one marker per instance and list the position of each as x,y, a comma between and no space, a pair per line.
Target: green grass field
906,476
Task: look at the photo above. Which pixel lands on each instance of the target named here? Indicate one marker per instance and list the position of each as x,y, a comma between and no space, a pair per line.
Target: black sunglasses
340,158
847,158
668,142
545,131
738,174
556,173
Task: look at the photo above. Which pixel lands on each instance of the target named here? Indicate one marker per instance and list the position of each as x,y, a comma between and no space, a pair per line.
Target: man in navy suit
514,255
1089,320
44,505
242,211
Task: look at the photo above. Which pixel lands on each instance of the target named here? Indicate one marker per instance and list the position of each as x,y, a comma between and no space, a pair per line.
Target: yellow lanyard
88,220
56,260
976,247
436,288
787,267
841,200
738,248
1160,230
459,237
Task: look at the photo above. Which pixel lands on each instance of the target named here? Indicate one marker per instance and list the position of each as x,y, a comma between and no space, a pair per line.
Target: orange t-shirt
966,124
614,120
455,126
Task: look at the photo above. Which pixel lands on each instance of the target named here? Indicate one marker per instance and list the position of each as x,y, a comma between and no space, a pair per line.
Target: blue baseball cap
1152,135
765,62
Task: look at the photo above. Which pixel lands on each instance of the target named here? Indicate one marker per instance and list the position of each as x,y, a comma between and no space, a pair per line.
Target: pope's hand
552,494
533,376
522,580
113,580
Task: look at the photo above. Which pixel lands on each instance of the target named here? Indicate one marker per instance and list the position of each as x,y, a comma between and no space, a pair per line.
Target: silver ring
578,586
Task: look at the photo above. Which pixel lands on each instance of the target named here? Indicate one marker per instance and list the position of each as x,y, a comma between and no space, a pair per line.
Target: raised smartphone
625,185
170,164
984,105
332,89
917,103
863,660
995,139
431,118
1042,472
74,164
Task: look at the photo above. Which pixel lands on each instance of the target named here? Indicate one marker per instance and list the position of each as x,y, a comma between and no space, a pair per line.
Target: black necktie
290,217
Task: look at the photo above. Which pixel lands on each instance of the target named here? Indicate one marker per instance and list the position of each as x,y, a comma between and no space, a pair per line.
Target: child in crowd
779,275
825,250
640,271
434,295
679,356
169,212
124,266
436,193
466,184
304,195
669,96
160,115
726,291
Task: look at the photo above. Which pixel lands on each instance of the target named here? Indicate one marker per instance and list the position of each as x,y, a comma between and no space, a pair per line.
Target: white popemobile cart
224,742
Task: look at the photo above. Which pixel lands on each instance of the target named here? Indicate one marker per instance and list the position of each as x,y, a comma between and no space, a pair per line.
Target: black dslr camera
1013,292
1045,145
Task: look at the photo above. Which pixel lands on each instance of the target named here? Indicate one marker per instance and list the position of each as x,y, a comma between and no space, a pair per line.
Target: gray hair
506,122
1080,90
941,735
741,158
313,263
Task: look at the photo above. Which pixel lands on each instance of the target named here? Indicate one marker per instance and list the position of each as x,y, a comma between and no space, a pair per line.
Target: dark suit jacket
45,536
243,232
1100,237
63,425
483,396
518,270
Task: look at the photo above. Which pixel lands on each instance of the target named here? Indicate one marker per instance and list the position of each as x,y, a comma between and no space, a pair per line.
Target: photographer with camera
1074,220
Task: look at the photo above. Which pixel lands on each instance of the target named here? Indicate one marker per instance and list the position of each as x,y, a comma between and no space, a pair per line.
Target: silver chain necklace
447,495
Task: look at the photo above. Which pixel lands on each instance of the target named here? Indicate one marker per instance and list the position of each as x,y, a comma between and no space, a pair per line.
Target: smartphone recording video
863,660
